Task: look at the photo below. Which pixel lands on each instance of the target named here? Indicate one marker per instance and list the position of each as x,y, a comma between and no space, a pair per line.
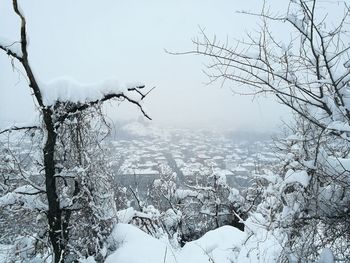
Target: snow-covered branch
82,106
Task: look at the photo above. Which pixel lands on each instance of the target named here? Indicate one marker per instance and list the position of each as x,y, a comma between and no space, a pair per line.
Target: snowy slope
135,246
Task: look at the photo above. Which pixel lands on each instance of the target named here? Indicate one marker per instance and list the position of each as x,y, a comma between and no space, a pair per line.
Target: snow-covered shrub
87,196
207,207
305,66
306,199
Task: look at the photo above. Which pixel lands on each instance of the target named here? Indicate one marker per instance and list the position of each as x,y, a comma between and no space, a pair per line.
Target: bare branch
15,128
11,53
80,107
138,90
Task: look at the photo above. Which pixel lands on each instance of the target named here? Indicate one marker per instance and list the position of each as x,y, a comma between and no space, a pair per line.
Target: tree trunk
54,215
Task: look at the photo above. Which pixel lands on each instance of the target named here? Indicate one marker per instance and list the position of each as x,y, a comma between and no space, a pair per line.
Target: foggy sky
95,40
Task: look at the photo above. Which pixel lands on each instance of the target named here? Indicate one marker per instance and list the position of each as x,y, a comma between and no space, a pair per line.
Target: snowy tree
189,211
21,197
207,207
86,182
305,65
72,176
162,193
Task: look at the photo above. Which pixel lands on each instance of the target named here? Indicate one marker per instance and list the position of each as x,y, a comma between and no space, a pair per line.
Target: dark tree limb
83,106
137,89
24,59
16,128
11,53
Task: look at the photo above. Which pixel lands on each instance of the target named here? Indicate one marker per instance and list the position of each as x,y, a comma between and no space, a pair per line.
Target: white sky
94,40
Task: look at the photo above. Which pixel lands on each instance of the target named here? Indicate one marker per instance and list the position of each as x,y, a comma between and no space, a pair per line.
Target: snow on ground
135,246
219,245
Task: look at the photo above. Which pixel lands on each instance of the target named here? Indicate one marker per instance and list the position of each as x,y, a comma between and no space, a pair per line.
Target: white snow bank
220,245
135,246
66,89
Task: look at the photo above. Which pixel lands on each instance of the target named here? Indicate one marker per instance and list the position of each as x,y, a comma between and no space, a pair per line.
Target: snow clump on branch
68,90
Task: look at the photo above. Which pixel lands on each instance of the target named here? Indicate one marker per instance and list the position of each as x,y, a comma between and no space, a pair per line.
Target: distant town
143,154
